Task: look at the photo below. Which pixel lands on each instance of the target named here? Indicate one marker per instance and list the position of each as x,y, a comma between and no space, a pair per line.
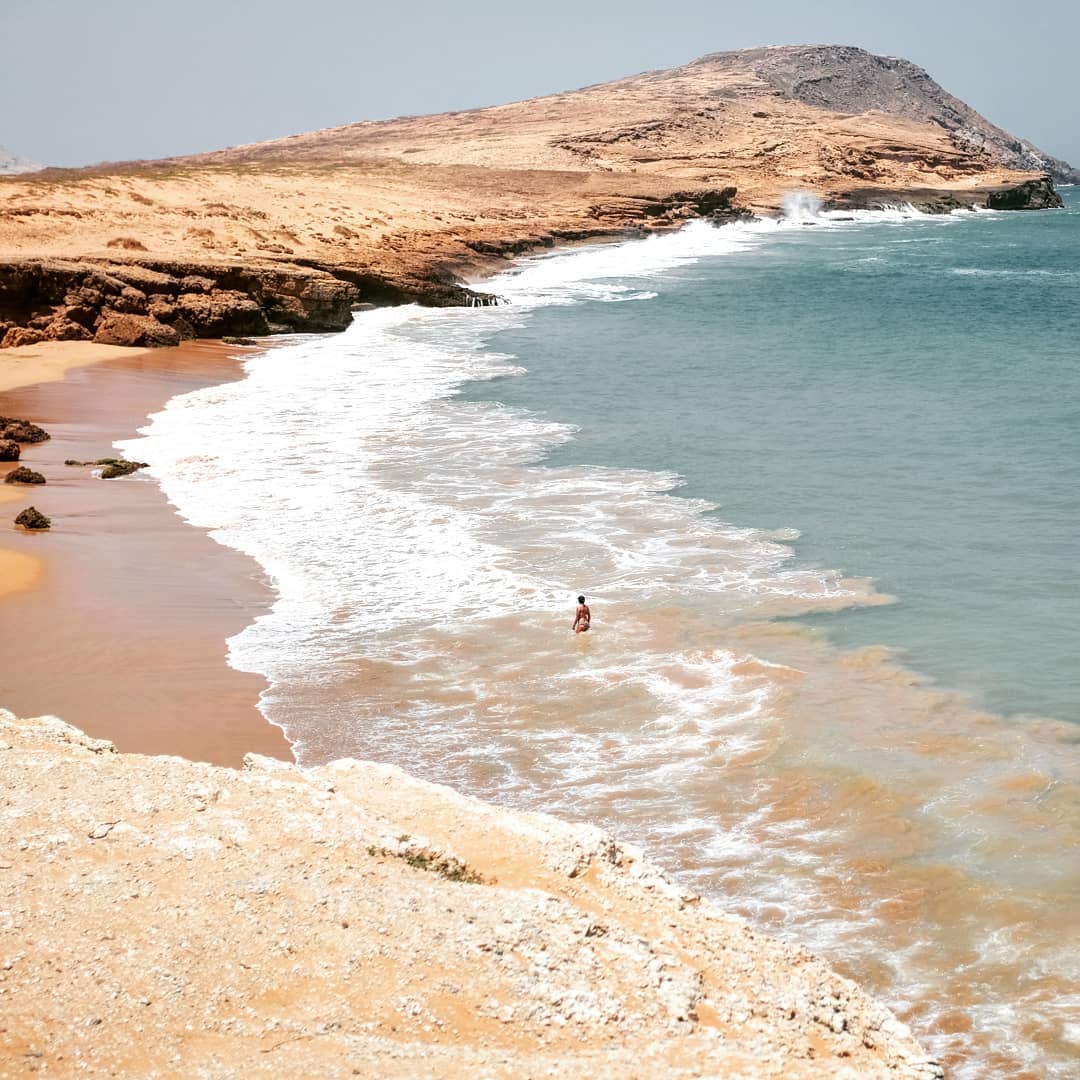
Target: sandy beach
116,618
50,361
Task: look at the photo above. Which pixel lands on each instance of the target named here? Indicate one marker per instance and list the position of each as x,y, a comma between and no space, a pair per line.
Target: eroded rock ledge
153,301
164,916
148,301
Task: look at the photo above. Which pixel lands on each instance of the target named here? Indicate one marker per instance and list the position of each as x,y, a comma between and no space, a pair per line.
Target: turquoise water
906,395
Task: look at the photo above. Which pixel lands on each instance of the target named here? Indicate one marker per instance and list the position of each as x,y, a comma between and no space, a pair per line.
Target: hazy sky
83,81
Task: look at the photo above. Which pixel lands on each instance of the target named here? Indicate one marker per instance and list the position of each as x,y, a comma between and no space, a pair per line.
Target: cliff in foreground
290,234
160,917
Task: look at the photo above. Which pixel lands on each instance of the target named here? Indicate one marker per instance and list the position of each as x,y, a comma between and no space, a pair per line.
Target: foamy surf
426,560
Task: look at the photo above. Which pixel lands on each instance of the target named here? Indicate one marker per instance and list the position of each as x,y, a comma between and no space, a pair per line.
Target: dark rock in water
32,518
9,450
942,204
21,430
23,475
1032,195
115,467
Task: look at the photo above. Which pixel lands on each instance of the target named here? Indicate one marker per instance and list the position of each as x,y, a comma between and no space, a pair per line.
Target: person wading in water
582,617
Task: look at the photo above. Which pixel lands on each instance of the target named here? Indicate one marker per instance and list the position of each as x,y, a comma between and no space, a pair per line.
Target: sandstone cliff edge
160,917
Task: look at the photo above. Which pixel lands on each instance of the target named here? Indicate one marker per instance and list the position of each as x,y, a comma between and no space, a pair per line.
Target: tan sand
52,360
359,922
18,571
129,616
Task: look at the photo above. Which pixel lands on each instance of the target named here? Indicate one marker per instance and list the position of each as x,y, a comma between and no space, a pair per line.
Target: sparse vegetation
420,859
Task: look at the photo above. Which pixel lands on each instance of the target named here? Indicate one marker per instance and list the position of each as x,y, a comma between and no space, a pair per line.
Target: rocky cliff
289,234
160,917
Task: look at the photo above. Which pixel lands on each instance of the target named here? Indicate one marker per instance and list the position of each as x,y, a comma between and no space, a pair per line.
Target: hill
291,233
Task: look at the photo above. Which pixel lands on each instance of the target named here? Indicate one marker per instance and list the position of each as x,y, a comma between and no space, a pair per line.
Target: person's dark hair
581,599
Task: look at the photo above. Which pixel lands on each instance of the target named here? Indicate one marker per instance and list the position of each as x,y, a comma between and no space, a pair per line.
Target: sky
84,81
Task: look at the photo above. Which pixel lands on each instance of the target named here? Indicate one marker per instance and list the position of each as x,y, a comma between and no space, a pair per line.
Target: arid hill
752,118
293,232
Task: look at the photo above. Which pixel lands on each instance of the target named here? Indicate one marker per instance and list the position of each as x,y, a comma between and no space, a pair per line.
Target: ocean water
820,481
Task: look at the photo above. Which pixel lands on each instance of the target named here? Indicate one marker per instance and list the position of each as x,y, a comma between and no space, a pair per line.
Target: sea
818,478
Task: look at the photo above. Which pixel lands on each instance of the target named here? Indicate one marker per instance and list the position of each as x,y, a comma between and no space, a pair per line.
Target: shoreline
158,680
102,562
231,370
894,811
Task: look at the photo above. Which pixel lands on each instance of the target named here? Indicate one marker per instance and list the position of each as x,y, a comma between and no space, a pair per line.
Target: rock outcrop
1038,194
162,303
21,430
33,518
158,302
9,450
23,475
845,79
164,917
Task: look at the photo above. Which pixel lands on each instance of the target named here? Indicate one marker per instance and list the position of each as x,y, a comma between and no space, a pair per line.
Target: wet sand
17,571
52,360
116,619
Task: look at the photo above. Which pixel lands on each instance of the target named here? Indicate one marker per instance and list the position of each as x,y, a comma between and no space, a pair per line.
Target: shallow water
431,489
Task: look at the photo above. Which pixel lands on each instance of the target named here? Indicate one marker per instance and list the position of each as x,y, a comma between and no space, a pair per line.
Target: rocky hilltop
292,233
161,917
844,79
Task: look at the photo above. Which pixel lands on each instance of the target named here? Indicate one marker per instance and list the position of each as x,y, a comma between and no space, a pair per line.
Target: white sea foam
425,562
346,467
402,526
993,272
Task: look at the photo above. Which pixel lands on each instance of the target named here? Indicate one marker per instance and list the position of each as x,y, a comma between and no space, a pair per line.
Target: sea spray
801,206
